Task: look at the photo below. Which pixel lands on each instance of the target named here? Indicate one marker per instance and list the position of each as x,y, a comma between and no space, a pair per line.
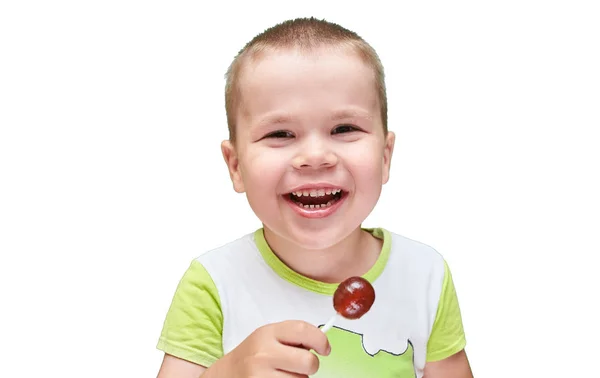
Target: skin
455,366
273,351
304,119
307,118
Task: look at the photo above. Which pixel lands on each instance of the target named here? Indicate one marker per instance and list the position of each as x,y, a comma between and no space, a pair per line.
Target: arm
173,367
455,366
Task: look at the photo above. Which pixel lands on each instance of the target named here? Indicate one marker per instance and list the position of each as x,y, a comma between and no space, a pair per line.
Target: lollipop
351,300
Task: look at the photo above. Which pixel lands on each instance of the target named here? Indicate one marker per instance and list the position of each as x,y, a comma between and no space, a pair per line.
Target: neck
352,256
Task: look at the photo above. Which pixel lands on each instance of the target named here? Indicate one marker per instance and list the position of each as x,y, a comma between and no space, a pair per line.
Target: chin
320,238
314,233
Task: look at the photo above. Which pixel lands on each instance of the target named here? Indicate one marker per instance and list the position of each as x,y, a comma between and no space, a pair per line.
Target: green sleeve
193,326
447,335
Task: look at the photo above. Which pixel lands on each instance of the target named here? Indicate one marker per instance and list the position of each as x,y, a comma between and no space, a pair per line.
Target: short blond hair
306,34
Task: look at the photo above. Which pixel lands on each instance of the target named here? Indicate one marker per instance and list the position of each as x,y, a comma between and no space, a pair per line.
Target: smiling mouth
316,199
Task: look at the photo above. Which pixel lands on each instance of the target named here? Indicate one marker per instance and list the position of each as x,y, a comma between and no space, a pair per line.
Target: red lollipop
352,299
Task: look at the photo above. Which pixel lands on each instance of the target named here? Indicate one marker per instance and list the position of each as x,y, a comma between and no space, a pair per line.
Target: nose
314,154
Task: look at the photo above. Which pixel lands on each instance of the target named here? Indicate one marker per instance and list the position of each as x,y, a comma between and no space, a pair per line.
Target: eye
343,129
280,134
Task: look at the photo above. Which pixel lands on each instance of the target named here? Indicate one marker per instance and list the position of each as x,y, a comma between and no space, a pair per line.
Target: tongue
305,200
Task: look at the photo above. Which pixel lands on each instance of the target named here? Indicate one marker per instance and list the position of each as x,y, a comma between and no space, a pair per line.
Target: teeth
316,192
321,206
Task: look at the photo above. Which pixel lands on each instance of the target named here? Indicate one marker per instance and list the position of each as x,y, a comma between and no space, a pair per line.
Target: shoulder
221,266
416,267
230,252
233,265
414,253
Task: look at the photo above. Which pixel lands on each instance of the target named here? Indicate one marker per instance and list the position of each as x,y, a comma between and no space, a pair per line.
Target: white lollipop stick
329,323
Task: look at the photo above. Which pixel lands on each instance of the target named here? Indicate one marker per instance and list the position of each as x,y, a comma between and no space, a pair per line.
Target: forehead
323,80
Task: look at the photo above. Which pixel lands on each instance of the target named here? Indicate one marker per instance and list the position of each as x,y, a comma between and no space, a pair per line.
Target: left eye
280,134
343,129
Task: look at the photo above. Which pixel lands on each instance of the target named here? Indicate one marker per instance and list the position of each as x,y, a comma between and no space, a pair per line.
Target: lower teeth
321,206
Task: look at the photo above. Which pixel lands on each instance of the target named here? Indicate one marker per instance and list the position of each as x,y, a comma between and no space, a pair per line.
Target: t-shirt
230,291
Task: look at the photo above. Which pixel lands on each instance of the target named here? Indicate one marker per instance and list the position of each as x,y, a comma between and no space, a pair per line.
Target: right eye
280,134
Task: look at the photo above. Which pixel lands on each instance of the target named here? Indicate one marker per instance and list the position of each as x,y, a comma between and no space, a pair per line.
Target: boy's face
309,122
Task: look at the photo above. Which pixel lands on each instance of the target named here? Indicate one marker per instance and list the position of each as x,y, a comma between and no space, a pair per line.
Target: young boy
309,145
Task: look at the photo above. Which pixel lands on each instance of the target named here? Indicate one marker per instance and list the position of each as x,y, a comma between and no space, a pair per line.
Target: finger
287,374
296,360
304,335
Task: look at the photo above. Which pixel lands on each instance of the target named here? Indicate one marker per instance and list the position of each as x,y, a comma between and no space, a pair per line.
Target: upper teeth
316,192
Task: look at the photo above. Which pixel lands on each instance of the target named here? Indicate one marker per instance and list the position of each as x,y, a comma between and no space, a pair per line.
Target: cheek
366,164
262,171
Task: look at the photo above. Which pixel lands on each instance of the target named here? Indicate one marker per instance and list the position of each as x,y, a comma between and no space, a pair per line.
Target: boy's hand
275,350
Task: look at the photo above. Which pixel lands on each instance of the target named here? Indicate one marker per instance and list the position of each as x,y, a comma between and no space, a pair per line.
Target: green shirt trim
317,286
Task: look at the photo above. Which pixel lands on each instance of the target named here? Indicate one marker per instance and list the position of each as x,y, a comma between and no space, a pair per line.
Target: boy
309,145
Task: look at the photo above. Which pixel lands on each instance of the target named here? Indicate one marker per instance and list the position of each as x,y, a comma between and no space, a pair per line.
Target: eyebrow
275,119
283,118
350,113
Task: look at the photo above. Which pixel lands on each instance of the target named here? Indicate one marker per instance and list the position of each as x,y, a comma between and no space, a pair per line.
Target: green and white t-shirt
229,292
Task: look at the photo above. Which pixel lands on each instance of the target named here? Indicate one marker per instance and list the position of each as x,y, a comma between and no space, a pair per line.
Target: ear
232,161
388,150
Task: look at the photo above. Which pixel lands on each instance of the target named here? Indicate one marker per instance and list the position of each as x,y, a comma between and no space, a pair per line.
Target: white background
112,181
